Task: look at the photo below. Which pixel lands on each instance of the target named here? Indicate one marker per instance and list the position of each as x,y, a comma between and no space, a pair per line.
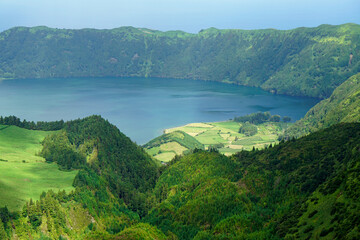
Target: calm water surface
141,107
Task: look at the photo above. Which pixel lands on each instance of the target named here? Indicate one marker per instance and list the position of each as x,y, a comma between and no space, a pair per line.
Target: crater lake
141,107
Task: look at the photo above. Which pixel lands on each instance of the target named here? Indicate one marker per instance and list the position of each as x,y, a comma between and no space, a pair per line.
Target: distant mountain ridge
300,62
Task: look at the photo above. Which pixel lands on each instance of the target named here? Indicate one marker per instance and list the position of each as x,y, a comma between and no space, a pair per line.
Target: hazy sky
187,15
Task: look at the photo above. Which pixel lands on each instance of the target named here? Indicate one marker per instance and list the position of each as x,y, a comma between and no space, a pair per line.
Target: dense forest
305,188
341,106
302,62
301,189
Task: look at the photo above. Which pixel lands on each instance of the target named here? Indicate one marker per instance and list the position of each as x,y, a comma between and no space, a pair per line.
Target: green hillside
342,106
24,174
306,188
102,151
112,180
228,137
302,61
301,189
18,144
167,146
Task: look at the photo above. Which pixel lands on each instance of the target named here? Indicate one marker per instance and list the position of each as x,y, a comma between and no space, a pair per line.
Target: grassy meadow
21,181
165,147
224,136
18,145
23,174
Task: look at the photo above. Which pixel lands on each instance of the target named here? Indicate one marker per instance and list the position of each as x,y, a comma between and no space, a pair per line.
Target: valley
267,160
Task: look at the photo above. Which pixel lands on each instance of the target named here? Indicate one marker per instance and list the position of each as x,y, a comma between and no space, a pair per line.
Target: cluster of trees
304,61
5,218
44,126
80,214
261,117
57,148
248,129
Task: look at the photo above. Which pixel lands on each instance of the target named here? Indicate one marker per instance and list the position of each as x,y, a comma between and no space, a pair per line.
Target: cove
141,107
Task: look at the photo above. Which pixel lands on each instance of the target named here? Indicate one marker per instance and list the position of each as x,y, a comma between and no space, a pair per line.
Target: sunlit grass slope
165,147
17,144
224,136
23,174
21,181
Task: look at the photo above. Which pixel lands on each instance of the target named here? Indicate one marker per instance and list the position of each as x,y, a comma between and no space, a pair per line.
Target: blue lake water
141,107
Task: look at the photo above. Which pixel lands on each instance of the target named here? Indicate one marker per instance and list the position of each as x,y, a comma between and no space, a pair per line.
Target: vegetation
98,147
44,126
342,106
248,129
18,145
302,62
84,179
114,175
166,146
24,175
142,231
306,188
302,189
24,181
227,137
260,117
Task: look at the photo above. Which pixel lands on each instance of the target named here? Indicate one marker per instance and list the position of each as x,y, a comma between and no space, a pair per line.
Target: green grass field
223,135
166,146
165,157
17,144
23,174
21,181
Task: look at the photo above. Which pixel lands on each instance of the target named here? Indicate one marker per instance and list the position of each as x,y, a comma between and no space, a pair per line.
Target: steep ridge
98,147
342,106
302,62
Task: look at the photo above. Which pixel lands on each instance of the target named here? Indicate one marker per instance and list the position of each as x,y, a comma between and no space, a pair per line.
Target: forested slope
302,61
342,106
98,147
306,188
114,179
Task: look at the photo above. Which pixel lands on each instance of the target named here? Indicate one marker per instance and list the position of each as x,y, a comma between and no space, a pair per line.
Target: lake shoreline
141,107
